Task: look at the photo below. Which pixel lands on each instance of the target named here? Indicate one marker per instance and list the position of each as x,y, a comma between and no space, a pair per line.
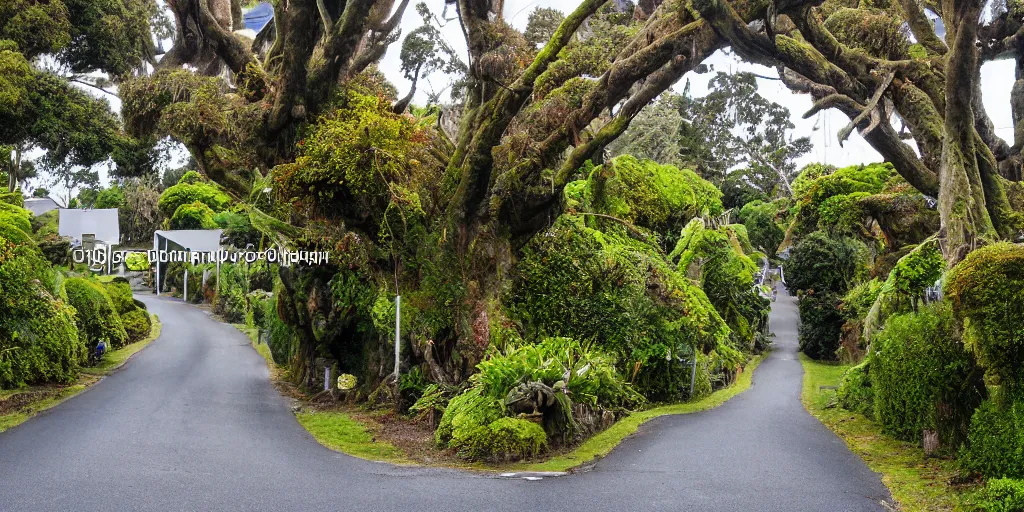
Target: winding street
193,423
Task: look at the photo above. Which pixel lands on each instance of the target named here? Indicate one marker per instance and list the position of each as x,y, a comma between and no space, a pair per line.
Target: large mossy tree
440,213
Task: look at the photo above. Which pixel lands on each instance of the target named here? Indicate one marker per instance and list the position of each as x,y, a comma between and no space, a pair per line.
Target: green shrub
470,410
137,324
998,495
592,376
188,193
15,227
191,178
825,264
860,298
821,324
855,392
137,262
512,439
96,319
46,224
621,294
995,441
120,293
38,338
987,293
923,378
194,215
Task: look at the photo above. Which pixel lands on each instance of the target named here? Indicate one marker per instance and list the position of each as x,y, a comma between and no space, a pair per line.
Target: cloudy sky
997,80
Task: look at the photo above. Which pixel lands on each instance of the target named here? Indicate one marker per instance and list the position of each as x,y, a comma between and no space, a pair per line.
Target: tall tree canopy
302,111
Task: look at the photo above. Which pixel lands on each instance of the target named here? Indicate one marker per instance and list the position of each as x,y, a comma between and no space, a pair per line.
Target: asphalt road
193,424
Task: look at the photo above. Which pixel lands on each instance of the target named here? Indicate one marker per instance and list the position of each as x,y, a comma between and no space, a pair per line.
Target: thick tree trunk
965,218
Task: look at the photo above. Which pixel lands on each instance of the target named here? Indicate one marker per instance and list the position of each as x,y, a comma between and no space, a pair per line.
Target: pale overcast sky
997,80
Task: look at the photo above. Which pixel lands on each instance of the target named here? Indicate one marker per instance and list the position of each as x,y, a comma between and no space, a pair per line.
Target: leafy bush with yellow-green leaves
998,495
188,193
477,425
195,215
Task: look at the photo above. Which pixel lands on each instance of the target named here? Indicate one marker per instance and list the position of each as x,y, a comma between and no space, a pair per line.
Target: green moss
659,197
338,431
515,439
878,32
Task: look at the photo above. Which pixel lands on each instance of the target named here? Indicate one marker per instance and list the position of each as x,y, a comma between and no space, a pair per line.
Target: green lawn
917,483
340,432
111,361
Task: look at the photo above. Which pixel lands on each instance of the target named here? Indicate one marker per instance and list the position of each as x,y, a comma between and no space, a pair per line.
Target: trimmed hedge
97,318
998,495
825,264
995,442
855,392
821,324
923,378
137,324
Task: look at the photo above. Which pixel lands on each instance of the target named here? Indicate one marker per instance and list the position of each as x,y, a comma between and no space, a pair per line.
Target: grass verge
339,432
917,483
40,398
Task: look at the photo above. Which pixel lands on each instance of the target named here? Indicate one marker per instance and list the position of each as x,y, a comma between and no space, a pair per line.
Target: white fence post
398,333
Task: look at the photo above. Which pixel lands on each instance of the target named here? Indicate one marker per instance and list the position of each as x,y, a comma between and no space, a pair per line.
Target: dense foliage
97,319
987,293
39,341
922,377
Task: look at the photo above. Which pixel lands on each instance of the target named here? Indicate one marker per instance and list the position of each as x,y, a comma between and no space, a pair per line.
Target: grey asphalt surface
192,423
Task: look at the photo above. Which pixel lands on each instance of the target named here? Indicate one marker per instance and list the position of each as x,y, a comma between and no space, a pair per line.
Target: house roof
197,240
102,222
258,17
40,205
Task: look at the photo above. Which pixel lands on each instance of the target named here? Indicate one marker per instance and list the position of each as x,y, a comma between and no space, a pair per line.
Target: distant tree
425,52
45,47
72,178
654,134
542,24
40,192
735,126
